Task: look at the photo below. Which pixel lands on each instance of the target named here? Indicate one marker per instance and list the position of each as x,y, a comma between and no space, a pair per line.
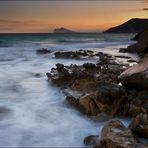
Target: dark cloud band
145,9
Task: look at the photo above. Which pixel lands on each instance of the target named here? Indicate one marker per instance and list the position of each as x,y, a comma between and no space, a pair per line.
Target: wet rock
101,117
136,37
141,98
59,76
105,54
88,79
138,102
87,76
141,47
43,51
88,66
91,140
37,75
139,125
132,48
72,100
136,76
115,135
110,97
132,61
73,54
122,56
85,84
110,72
123,50
88,106
60,67
74,76
108,92
104,59
134,110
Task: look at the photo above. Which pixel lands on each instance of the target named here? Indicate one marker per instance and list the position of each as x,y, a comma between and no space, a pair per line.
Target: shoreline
100,94
46,106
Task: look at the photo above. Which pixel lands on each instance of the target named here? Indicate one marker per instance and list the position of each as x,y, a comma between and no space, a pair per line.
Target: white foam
39,116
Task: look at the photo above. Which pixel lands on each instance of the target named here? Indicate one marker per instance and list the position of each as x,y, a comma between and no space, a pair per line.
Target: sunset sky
84,16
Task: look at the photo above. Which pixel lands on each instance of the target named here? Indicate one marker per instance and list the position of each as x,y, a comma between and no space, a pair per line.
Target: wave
4,44
6,60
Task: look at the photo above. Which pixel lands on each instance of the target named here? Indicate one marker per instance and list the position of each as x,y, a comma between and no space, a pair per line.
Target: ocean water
33,111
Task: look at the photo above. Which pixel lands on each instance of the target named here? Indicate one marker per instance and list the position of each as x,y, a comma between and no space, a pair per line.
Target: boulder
72,100
59,75
138,102
115,135
111,98
134,110
37,75
108,92
123,50
43,51
60,67
88,106
139,125
90,67
91,140
136,76
73,54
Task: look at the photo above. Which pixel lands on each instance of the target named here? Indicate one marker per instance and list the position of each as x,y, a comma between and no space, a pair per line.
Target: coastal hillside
135,25
63,30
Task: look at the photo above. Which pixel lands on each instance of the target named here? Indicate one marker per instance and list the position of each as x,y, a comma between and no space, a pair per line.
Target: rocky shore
110,88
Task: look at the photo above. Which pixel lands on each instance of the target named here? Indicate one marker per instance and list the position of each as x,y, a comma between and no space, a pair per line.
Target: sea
33,112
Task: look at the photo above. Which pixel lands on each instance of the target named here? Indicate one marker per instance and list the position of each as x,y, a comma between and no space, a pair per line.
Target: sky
84,16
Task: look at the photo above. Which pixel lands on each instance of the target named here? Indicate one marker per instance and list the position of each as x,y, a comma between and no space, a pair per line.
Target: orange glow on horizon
78,16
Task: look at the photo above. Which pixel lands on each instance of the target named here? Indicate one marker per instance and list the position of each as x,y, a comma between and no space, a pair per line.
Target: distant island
63,30
134,25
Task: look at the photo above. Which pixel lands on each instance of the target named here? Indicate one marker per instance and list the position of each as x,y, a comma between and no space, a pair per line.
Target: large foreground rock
136,76
115,135
139,125
88,106
109,98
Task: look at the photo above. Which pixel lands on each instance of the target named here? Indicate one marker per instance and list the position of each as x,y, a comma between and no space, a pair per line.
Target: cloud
23,26
145,9
13,22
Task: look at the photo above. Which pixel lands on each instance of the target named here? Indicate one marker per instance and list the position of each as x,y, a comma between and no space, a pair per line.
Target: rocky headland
135,25
108,88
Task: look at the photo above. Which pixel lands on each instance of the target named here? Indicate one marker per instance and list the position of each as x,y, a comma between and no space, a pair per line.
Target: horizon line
46,32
